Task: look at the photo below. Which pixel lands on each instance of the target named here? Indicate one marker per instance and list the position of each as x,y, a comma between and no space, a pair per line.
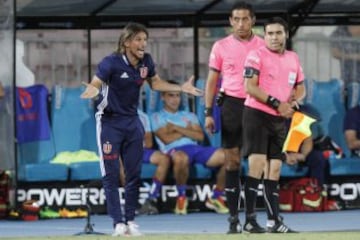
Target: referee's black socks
232,191
251,191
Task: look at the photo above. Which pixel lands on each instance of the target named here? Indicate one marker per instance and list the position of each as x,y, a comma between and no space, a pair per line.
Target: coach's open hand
188,87
90,91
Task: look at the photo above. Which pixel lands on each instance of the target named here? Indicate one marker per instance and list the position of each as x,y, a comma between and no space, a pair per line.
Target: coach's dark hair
243,5
129,32
278,20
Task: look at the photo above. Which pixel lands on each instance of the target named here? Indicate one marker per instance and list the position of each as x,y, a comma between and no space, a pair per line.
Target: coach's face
242,23
275,37
135,47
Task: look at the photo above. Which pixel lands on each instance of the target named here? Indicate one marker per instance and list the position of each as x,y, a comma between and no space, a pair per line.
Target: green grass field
298,236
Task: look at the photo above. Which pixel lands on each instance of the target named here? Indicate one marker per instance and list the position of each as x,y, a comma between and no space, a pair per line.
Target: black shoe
235,226
280,227
149,208
251,226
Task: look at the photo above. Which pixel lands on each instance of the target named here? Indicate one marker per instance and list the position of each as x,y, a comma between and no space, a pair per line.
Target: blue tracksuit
119,130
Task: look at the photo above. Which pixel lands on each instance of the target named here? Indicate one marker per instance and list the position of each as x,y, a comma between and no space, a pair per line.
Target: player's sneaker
252,226
332,205
133,229
234,225
14,214
149,207
280,227
66,213
181,205
46,212
120,230
217,204
270,222
81,213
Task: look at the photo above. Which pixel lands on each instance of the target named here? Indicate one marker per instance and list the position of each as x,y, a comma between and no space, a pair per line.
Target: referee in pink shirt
227,58
274,82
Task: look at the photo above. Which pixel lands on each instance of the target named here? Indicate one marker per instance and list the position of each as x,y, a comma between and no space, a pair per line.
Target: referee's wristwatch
208,112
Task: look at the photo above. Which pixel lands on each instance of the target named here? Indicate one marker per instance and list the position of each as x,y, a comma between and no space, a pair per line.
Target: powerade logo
346,191
78,196
62,197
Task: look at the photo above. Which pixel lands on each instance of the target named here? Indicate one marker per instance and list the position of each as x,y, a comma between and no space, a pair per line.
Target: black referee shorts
263,133
231,122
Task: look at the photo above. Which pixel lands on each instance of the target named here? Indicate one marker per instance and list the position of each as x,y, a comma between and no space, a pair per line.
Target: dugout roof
75,14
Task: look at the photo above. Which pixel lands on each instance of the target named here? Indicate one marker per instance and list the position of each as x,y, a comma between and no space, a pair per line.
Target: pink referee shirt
228,56
278,75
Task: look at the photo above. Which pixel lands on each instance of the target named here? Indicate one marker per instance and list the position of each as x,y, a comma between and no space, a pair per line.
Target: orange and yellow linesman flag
298,131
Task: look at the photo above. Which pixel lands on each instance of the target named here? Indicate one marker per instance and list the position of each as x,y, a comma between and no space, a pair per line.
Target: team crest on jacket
107,147
143,72
25,98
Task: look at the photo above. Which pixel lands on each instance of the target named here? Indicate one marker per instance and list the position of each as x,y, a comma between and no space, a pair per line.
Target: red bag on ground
30,210
4,193
302,195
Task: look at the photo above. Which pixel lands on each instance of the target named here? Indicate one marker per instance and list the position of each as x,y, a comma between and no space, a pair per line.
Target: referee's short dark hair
278,20
243,5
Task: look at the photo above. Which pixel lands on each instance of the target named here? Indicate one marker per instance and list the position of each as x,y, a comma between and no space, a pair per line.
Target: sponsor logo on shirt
143,72
124,75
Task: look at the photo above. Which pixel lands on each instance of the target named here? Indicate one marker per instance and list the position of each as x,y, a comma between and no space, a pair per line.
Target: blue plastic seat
152,100
85,171
215,139
345,166
328,99
74,129
43,172
73,120
148,170
353,94
34,157
293,170
286,170
197,171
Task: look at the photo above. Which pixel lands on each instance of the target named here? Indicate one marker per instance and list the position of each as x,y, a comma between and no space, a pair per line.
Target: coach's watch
208,112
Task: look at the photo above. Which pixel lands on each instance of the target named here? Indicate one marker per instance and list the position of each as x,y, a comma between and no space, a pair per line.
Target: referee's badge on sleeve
292,78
